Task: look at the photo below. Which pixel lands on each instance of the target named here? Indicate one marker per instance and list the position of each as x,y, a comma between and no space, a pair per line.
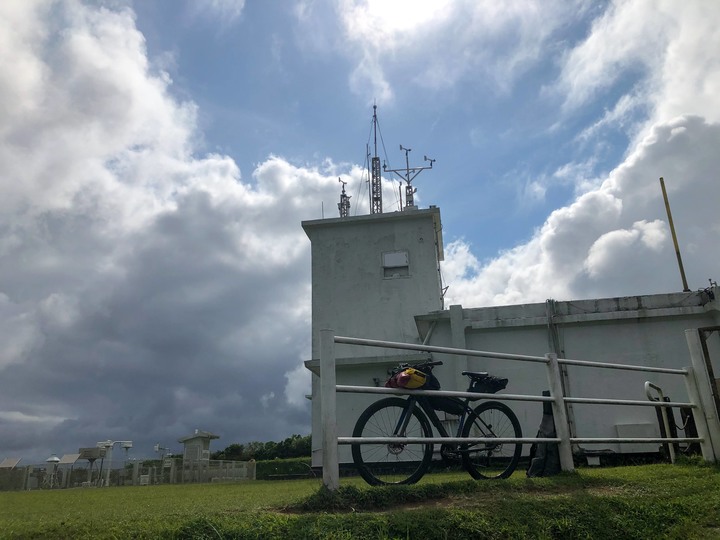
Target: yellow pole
674,237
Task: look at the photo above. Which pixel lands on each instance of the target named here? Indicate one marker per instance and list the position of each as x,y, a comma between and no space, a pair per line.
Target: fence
138,473
696,381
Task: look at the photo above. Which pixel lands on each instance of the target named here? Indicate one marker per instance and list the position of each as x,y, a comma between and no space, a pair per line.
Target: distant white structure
377,276
197,445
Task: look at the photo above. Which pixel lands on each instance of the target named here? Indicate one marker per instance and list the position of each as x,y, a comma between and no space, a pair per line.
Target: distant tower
409,174
344,204
375,175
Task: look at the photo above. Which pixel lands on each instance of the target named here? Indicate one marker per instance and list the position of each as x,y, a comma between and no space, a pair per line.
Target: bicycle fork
402,424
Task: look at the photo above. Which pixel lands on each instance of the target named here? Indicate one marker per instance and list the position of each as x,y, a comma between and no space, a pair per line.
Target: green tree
293,446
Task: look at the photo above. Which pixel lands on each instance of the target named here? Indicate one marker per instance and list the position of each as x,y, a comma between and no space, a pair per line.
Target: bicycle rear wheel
489,459
394,463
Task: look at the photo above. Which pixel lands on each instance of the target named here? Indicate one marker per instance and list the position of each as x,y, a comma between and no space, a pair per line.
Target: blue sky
156,159
263,87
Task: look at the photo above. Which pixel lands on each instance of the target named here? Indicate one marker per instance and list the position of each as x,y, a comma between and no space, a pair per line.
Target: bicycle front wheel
392,463
491,459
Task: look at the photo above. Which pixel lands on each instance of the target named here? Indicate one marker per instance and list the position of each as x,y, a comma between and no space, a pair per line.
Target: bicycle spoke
490,459
394,463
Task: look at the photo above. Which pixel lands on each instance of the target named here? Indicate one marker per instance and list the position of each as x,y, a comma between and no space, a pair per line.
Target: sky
157,159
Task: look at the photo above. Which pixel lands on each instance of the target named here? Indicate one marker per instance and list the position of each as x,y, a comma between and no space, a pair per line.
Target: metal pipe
431,348
445,440
639,403
503,440
627,367
504,397
674,237
445,393
630,440
505,356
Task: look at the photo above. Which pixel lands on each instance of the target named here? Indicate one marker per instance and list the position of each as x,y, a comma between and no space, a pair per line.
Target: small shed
197,445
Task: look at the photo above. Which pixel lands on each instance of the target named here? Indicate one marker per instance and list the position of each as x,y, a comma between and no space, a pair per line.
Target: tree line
293,446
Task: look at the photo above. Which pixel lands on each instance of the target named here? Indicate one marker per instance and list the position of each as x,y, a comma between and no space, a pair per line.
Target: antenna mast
409,174
344,204
375,175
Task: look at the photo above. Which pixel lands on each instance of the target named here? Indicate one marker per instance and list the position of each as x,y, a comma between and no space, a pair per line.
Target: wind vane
409,174
344,204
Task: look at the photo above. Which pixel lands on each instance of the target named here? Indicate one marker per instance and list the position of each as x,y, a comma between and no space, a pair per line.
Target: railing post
562,427
328,418
700,392
701,423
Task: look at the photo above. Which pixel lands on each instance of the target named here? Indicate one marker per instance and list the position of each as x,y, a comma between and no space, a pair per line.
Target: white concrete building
377,276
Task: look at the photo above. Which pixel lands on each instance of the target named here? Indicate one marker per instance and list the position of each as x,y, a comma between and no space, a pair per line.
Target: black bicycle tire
358,450
467,455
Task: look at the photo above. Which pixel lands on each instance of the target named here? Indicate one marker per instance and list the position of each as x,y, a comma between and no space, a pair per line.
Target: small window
395,264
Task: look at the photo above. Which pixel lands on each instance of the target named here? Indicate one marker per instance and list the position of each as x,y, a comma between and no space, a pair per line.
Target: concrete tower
371,275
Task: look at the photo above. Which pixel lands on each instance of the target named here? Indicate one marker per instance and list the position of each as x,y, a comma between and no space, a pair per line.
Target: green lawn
649,501
146,511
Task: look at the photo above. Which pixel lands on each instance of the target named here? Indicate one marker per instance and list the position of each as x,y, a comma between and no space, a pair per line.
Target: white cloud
613,240
620,244
628,36
297,386
669,51
265,399
226,11
145,291
444,42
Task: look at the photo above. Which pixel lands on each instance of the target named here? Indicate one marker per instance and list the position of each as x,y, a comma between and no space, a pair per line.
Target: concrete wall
643,330
358,291
354,296
351,289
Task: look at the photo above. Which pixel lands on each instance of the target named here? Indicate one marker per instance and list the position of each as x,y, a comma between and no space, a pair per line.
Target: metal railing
707,425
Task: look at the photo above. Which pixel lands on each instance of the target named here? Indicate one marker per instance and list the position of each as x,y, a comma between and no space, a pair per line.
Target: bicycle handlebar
428,363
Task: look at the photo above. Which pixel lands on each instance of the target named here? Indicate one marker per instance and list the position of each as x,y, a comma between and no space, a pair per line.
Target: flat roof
384,217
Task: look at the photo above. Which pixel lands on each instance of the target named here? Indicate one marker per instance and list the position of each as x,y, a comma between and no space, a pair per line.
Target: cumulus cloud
614,239
145,291
437,44
227,11
669,52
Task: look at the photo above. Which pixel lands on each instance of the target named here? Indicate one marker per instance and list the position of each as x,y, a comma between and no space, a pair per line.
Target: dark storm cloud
144,292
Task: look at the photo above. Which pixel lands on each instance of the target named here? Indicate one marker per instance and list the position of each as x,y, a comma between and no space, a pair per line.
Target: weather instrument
344,204
408,174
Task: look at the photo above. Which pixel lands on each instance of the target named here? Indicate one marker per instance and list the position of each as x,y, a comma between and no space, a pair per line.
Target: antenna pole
674,237
375,175
344,204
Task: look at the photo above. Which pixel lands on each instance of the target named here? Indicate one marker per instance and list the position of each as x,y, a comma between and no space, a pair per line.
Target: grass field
649,501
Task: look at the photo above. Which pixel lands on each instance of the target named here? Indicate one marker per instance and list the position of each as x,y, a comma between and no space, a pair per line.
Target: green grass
143,512
649,501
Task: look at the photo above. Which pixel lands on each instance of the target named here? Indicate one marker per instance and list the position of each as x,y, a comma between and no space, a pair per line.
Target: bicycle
406,463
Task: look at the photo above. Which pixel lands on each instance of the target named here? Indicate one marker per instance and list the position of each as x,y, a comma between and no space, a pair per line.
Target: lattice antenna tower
408,174
344,204
375,175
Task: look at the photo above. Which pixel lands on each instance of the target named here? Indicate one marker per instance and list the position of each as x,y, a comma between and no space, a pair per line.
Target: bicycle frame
397,417
429,411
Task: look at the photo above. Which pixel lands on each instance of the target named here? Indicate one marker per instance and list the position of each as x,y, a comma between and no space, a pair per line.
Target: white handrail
328,388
